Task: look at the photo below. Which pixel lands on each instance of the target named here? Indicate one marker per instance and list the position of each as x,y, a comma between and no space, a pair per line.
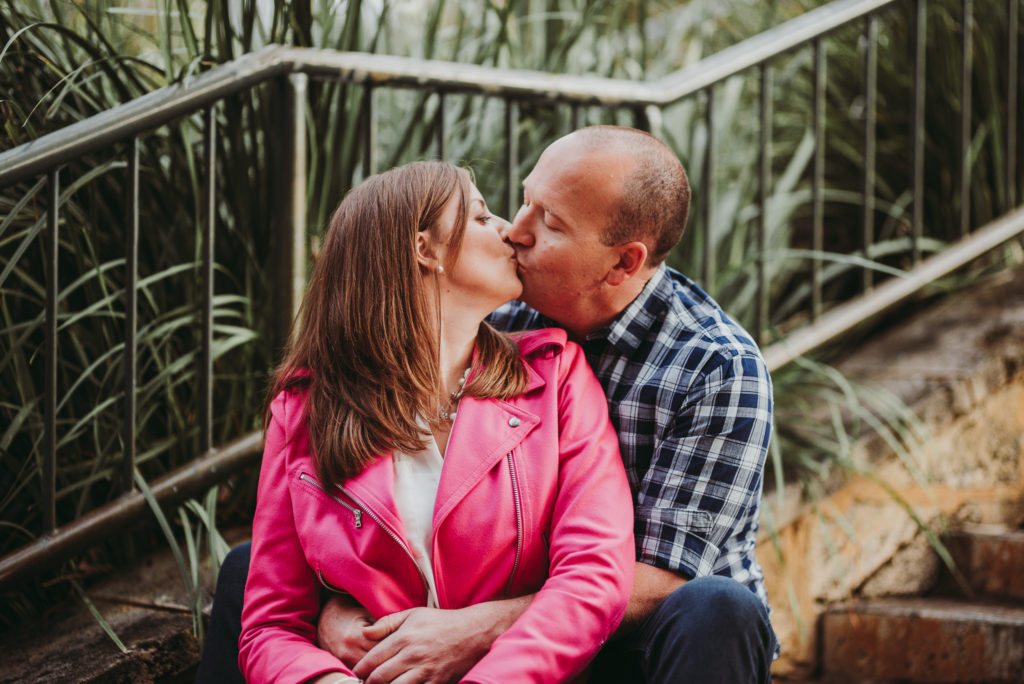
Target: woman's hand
434,646
340,629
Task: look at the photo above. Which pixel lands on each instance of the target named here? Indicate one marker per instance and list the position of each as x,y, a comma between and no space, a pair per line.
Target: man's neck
606,306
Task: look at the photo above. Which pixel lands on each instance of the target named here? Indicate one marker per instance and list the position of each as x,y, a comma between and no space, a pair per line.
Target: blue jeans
711,629
219,661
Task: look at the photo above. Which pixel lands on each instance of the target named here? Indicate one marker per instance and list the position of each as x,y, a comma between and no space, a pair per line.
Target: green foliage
61,62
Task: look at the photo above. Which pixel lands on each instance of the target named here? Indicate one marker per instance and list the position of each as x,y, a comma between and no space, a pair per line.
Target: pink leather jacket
532,499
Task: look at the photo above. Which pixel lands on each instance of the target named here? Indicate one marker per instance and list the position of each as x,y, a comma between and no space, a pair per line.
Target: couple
494,540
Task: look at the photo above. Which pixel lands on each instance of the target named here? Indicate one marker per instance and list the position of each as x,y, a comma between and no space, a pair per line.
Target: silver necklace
445,415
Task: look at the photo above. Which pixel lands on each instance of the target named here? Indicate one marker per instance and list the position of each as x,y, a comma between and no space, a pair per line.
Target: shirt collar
630,328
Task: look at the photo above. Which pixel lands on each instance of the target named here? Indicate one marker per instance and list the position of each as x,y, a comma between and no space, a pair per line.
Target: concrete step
991,559
923,640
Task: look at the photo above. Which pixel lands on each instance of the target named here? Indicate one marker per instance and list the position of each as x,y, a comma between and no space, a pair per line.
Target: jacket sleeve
591,547
282,596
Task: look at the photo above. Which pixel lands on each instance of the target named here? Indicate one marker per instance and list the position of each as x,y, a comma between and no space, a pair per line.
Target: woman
416,457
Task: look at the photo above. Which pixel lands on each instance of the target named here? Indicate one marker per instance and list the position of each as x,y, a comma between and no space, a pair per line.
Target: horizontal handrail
172,489
167,103
845,317
764,46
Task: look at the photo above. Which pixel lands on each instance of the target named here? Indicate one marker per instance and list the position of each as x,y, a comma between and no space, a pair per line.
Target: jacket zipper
328,585
398,540
356,513
519,522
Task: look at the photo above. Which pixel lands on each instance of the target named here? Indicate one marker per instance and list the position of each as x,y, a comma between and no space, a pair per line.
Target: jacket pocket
309,481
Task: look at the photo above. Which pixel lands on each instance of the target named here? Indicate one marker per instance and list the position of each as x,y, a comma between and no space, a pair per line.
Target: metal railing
294,67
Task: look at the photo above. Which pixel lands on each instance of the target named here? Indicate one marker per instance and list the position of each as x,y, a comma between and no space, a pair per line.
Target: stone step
991,559
923,640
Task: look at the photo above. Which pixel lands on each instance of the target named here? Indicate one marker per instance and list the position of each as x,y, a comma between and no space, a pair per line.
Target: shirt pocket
693,520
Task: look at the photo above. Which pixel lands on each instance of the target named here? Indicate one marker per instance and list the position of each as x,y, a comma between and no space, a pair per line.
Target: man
690,398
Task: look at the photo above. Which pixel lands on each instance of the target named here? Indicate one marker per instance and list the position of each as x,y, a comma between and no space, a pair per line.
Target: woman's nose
503,227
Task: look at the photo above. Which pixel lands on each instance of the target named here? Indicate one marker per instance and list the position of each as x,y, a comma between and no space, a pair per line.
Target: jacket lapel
486,430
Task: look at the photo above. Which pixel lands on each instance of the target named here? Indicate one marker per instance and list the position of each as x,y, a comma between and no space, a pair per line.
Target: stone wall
960,366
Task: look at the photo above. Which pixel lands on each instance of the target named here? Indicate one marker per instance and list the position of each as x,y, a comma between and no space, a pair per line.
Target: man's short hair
655,200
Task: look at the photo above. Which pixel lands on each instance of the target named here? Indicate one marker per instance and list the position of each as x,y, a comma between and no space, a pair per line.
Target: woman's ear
425,251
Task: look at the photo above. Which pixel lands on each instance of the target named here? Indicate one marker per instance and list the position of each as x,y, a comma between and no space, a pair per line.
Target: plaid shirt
691,399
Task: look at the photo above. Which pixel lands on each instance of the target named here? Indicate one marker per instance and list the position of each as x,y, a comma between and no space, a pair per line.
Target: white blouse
416,479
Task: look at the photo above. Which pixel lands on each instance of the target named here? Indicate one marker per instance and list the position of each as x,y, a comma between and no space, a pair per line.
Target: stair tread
989,531
939,608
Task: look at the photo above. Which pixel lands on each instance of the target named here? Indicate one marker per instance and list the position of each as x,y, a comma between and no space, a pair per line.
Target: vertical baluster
818,178
370,139
131,283
707,267
640,120
870,113
296,253
511,156
1013,18
763,190
965,118
206,266
920,43
439,129
49,469
577,115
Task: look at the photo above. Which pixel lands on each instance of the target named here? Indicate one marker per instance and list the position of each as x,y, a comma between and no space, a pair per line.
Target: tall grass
62,62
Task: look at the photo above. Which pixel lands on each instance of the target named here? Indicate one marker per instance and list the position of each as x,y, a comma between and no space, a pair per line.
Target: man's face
568,199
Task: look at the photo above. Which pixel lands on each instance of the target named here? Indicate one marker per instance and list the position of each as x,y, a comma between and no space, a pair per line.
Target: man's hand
434,646
340,629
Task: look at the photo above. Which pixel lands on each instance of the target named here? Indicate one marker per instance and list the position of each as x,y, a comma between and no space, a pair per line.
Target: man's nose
518,231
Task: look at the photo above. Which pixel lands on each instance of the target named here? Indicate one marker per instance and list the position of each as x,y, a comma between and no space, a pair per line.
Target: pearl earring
440,269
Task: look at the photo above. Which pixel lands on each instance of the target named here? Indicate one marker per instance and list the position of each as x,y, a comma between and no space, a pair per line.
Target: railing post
370,139
818,178
206,265
131,282
870,114
511,156
707,267
289,229
640,120
439,129
917,131
763,191
965,117
49,460
1013,19
577,116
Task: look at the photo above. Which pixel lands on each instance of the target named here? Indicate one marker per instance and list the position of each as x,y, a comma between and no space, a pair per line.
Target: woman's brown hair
367,345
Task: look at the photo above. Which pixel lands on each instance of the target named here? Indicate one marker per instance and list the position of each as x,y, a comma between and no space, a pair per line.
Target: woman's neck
457,341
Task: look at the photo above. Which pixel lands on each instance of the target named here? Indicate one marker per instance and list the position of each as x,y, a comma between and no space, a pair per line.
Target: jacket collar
488,429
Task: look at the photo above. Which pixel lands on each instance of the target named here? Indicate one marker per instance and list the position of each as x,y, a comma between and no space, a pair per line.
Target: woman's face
485,271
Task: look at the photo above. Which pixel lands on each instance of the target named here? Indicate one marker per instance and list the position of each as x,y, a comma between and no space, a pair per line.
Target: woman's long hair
367,348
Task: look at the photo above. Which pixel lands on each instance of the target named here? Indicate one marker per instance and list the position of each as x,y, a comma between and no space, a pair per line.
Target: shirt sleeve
698,503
